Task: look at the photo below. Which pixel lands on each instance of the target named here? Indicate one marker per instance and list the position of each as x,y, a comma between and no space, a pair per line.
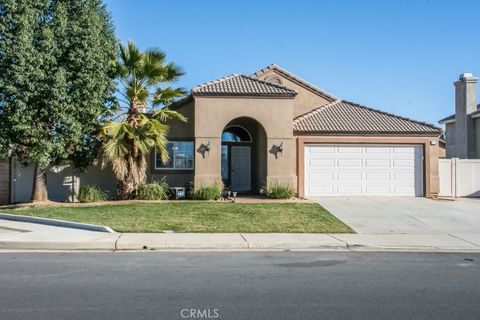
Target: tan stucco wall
442,150
431,155
179,129
305,100
212,114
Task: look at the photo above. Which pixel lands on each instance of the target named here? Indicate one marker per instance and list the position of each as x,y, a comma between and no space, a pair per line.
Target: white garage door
363,170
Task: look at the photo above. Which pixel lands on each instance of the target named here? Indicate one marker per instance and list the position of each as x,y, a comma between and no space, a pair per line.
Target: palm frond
167,95
165,114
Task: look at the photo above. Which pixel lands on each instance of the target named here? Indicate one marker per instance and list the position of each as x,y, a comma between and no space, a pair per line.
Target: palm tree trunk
126,189
39,191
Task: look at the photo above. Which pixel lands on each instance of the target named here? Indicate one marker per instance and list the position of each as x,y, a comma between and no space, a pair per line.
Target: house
462,129
272,126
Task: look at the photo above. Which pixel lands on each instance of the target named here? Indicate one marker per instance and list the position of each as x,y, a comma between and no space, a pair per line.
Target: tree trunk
126,189
39,192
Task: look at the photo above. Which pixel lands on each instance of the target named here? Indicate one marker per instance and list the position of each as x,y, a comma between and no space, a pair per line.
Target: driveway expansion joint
469,242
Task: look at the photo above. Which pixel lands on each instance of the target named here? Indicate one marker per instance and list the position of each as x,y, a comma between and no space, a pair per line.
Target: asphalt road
239,285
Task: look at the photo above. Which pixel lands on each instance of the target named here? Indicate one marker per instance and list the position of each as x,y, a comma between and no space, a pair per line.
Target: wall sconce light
280,147
276,149
204,148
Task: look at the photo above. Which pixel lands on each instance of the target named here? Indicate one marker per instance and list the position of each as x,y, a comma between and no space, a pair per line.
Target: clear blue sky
397,56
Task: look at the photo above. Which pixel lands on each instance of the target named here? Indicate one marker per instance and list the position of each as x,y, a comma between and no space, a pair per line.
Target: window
180,154
236,134
224,162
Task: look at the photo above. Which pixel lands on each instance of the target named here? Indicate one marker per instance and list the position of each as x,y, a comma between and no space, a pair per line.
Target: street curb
56,223
58,245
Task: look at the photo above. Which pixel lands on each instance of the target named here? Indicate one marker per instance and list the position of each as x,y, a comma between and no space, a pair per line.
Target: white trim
477,115
173,160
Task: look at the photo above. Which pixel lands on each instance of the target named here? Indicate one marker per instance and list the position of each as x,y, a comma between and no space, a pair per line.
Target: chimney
465,104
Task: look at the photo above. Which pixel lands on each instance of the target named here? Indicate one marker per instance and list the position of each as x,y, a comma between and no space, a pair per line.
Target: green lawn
198,217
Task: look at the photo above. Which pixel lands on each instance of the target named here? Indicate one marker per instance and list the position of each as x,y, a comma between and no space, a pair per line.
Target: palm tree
143,86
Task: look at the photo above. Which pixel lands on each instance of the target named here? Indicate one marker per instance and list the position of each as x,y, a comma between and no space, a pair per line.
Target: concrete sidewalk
30,236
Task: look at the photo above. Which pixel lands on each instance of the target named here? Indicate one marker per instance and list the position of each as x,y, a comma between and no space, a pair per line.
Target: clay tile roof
241,85
296,79
343,117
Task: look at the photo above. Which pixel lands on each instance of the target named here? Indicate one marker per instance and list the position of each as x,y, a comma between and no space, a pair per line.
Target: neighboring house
273,126
462,129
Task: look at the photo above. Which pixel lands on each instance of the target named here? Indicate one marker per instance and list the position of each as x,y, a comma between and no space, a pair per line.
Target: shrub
157,190
91,194
213,191
278,190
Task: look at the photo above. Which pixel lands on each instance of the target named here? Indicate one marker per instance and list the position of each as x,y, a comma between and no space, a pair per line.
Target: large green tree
144,89
56,78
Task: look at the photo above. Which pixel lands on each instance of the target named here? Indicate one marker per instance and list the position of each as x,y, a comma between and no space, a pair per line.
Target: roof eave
240,95
446,121
343,133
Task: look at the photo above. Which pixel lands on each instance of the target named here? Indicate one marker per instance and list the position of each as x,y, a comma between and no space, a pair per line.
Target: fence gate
459,177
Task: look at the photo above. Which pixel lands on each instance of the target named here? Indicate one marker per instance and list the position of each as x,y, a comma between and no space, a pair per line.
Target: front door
240,169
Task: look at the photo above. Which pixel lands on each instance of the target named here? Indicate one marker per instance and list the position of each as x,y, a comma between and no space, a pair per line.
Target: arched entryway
244,156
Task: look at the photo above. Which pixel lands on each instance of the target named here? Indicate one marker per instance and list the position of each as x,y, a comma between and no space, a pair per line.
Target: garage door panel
375,176
349,150
349,176
325,176
349,190
328,163
377,163
349,163
404,176
363,170
377,150
325,150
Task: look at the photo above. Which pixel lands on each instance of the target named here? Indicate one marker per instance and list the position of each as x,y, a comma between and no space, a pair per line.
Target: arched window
236,134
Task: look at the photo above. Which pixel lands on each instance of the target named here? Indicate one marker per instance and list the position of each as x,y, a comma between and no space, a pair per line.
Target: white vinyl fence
459,177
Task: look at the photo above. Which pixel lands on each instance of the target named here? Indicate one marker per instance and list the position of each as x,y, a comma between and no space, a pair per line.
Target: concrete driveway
380,215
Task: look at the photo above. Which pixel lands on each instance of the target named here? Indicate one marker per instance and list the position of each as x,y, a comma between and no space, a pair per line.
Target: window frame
164,169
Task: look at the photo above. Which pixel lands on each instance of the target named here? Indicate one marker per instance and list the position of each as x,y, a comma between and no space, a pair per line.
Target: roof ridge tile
280,86
296,78
241,85
206,84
